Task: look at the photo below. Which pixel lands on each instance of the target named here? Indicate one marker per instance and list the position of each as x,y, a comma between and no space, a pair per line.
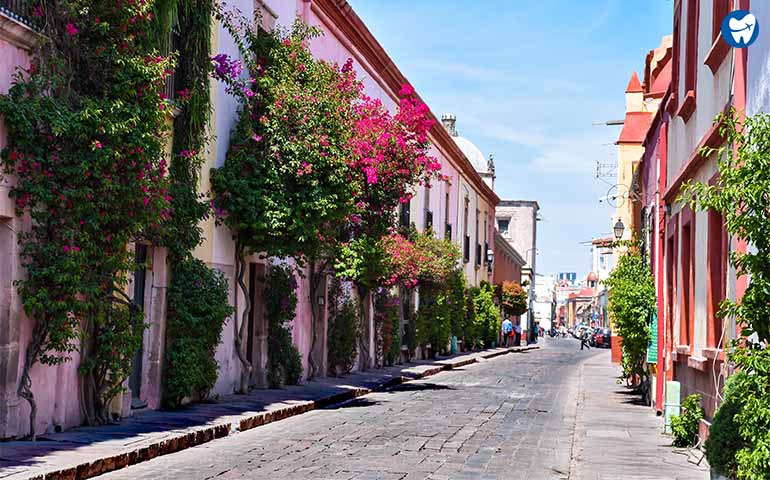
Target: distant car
602,337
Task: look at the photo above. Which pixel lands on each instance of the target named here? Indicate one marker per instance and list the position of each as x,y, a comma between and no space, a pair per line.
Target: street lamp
618,229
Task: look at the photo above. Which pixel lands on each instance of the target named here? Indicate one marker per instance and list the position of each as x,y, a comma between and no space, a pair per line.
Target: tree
631,302
390,157
286,179
514,298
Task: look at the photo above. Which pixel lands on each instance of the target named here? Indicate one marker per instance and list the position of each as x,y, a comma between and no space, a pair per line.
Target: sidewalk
90,451
616,439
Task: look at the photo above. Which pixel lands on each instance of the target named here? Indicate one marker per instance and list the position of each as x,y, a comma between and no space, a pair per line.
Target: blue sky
526,81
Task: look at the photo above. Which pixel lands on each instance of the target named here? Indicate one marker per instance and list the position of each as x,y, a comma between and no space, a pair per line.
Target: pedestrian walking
507,329
517,334
585,337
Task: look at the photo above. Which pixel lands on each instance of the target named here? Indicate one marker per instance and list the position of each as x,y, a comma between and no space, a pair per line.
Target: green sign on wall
652,347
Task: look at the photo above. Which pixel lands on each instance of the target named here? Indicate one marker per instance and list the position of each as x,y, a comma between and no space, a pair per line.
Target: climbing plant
739,195
197,296
286,176
387,326
344,314
631,301
197,309
86,135
284,364
390,159
485,316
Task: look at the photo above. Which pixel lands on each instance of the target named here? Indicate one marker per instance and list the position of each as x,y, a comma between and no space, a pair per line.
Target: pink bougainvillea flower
97,144
71,29
256,138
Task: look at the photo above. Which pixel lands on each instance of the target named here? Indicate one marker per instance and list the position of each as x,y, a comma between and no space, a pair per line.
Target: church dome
592,277
473,153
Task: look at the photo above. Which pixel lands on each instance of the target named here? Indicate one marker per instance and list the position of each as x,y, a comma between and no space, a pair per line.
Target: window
447,224
691,46
685,331
428,213
478,245
716,264
486,240
467,244
404,215
428,220
503,224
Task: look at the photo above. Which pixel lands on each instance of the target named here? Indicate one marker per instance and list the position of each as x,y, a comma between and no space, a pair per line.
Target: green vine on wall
86,136
197,310
197,295
344,312
284,364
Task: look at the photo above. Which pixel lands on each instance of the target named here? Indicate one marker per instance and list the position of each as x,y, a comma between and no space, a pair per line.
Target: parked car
602,337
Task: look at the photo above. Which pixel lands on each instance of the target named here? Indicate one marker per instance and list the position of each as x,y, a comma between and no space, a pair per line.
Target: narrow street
510,417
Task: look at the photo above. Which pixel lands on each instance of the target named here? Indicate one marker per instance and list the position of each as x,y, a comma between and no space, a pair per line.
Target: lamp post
618,229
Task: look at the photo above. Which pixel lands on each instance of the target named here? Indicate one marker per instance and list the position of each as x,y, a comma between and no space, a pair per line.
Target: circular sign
740,28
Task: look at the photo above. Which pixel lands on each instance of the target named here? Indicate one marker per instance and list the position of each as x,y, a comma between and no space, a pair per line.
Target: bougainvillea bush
86,133
286,181
514,298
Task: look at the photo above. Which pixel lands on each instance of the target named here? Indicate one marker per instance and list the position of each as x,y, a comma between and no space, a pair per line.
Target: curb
224,429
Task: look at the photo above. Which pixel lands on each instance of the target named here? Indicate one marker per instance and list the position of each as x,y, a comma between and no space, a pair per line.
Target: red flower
71,30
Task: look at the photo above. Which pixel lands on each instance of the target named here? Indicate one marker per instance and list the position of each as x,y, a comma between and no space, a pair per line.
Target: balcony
19,11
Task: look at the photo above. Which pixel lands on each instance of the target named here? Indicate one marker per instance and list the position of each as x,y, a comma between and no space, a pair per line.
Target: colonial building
517,223
708,78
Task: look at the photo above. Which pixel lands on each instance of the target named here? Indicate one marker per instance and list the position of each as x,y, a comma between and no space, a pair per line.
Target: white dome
473,153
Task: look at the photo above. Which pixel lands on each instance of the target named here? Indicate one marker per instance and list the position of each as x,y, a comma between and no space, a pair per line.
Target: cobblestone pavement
510,417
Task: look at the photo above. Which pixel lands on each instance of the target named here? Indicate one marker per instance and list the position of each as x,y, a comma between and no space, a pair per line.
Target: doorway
256,336
140,278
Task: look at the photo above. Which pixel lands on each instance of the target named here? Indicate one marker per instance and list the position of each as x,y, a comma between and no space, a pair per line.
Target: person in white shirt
507,328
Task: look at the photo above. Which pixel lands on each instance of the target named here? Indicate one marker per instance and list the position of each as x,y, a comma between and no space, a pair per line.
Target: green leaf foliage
284,363
86,126
631,301
197,309
344,316
684,427
485,318
386,316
